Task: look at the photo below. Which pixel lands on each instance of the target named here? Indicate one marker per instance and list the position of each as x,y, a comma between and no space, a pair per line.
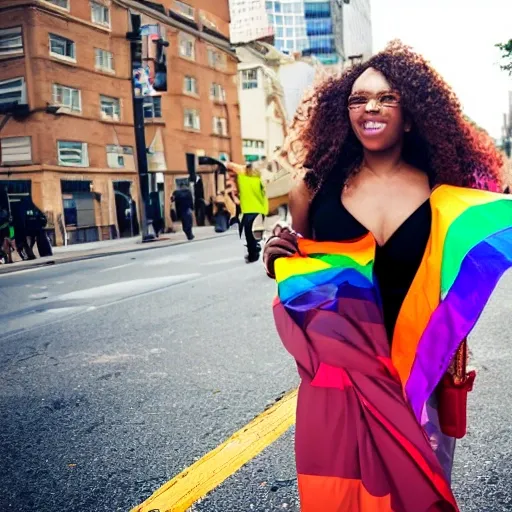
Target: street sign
148,30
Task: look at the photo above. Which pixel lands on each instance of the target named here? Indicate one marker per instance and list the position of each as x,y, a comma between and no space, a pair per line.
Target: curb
148,246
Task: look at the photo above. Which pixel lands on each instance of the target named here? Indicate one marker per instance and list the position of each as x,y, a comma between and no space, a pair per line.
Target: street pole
135,38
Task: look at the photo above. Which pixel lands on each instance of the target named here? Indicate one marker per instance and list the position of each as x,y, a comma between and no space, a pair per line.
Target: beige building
263,113
357,30
66,115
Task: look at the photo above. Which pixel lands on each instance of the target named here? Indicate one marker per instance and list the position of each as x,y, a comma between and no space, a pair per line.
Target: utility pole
135,38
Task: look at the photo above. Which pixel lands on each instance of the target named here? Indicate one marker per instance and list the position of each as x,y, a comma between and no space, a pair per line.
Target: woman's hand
281,244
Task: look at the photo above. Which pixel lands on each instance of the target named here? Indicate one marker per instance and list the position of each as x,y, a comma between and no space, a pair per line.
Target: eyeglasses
359,101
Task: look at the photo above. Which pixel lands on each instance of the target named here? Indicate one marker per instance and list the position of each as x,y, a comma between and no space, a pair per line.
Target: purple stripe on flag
457,314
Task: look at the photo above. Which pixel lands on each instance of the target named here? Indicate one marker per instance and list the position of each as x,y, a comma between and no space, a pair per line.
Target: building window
218,93
73,154
16,151
300,31
13,92
211,57
216,59
317,27
191,119
184,9
250,79
249,143
11,42
70,212
104,60
67,97
62,48
322,44
187,46
297,7
220,126
110,108
63,4
317,9
190,85
302,44
152,107
100,14
116,155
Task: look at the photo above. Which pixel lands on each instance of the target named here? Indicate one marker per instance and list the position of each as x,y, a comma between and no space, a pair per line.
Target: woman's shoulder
300,193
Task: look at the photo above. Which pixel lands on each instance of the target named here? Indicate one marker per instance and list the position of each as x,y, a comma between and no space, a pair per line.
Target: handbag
453,395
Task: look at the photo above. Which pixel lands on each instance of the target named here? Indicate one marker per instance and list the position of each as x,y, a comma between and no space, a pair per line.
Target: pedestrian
393,251
156,213
35,222
7,235
184,202
253,202
19,223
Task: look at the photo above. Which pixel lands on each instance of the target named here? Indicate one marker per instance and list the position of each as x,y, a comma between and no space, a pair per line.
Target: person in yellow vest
253,202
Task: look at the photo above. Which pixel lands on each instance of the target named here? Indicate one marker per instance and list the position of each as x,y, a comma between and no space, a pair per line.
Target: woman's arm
299,199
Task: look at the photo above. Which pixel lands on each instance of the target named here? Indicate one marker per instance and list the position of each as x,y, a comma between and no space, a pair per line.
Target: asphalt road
118,373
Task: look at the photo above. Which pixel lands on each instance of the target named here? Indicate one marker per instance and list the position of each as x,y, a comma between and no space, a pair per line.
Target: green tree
506,49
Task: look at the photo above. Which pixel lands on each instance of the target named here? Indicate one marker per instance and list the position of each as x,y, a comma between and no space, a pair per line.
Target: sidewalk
78,252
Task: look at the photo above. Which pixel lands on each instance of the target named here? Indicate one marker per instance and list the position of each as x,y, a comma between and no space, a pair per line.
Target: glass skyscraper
309,27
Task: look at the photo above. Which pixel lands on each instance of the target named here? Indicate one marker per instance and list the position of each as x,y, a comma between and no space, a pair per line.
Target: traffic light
136,52
135,41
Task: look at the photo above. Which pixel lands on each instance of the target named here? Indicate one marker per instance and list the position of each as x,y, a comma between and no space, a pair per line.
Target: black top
184,201
396,262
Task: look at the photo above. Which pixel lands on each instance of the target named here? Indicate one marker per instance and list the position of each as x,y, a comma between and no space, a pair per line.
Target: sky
458,38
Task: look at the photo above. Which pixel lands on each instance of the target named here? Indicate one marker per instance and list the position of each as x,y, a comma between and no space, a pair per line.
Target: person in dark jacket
156,214
184,203
35,222
19,223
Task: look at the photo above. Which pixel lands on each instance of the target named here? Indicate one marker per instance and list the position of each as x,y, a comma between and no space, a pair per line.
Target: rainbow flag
367,433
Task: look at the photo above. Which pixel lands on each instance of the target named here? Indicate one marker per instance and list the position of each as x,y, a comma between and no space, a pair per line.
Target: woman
384,282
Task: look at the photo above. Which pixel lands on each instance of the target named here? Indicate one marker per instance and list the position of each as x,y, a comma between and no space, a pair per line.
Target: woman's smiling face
375,113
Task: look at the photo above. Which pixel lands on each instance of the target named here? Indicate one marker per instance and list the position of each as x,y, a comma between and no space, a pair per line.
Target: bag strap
460,363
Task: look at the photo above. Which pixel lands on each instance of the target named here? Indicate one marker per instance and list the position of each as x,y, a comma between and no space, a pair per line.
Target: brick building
66,116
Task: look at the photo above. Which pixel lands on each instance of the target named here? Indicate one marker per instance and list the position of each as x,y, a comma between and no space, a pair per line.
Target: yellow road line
203,476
